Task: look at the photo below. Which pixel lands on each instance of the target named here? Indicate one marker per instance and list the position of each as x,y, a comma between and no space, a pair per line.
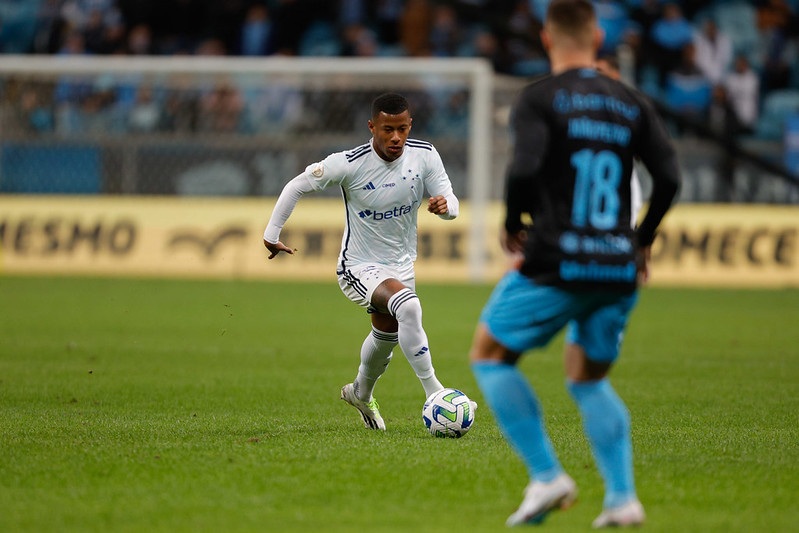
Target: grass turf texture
174,406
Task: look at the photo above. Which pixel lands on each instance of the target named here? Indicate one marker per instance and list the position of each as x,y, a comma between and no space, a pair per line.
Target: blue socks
516,410
607,425
606,422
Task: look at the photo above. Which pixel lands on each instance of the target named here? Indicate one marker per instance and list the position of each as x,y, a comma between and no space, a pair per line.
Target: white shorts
358,282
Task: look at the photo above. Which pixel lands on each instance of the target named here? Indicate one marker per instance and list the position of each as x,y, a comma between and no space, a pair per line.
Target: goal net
236,126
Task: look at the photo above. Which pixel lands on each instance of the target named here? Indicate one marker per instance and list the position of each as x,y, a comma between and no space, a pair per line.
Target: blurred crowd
732,64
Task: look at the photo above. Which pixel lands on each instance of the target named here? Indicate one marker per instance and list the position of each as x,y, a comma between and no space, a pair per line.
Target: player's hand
437,205
643,258
513,243
277,248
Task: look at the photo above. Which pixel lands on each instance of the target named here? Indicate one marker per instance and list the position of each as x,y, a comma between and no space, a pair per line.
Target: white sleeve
453,207
437,183
317,176
291,194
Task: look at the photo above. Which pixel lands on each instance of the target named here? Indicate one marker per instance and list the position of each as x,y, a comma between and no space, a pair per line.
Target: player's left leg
395,299
592,345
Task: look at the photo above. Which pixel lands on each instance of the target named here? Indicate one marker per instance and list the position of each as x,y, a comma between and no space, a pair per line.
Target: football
448,413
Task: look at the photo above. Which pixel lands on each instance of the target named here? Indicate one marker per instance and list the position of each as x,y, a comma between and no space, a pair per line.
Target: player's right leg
376,349
376,352
375,357
521,315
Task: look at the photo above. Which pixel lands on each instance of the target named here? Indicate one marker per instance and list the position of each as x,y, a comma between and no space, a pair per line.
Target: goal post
133,125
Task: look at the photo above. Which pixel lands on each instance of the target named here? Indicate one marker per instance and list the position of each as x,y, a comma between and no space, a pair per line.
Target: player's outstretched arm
291,194
276,248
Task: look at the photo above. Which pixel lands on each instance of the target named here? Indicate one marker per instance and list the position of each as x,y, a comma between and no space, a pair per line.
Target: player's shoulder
355,154
422,152
419,145
538,86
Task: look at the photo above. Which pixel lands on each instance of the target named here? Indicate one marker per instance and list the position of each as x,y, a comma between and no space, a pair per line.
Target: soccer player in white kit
383,183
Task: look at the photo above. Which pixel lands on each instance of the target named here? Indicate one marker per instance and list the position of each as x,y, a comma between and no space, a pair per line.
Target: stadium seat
737,19
688,94
777,106
320,39
18,26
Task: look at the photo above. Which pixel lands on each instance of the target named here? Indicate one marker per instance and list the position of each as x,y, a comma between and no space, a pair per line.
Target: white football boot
541,498
369,410
629,514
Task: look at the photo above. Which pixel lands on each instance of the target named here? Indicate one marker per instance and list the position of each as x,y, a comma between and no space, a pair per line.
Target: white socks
405,307
375,356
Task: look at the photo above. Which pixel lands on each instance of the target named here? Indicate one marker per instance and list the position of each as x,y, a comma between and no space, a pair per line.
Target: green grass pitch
130,405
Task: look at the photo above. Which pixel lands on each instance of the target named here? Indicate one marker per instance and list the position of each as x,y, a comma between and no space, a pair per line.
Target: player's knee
405,306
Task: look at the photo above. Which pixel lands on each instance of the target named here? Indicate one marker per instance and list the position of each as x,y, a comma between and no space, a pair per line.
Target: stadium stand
660,35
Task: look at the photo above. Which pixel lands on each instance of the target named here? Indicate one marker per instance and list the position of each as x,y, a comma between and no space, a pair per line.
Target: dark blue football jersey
575,136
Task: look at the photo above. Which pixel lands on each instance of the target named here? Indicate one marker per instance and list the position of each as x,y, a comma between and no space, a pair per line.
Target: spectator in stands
181,108
73,45
670,33
642,17
777,23
489,47
221,110
445,35
721,117
388,14
359,41
257,32
225,21
49,26
140,40
212,46
35,108
415,24
97,108
178,23
713,51
78,14
524,47
291,20
723,122
614,19
687,90
743,89
145,115
275,107
351,12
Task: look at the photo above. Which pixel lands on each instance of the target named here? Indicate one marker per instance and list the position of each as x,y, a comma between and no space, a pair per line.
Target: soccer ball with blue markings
448,413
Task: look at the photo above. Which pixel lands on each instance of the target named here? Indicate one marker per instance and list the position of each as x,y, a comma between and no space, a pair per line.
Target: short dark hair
390,104
571,16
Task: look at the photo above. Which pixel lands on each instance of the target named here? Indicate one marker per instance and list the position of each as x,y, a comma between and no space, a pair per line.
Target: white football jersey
382,199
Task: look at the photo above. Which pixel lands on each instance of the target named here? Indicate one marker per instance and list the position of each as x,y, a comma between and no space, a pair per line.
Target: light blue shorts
521,315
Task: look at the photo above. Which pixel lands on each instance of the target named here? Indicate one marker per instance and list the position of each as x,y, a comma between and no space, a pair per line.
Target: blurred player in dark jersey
576,133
